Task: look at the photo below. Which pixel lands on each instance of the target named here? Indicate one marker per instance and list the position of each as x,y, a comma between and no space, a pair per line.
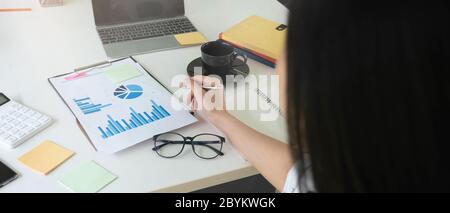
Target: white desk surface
50,41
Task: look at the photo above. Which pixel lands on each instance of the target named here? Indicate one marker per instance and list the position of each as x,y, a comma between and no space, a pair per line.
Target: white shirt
292,184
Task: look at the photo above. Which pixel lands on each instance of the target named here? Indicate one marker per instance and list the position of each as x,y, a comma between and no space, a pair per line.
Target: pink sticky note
75,76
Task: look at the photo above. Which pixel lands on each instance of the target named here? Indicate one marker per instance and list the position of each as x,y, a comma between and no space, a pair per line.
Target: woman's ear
281,63
281,71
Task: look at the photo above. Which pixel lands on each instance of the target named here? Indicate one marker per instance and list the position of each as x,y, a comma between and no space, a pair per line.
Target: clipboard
90,68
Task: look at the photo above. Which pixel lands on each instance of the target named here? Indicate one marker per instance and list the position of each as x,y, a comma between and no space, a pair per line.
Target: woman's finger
207,81
197,92
187,94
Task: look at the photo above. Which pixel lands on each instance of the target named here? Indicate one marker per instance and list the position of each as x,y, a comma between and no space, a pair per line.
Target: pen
208,88
14,9
212,88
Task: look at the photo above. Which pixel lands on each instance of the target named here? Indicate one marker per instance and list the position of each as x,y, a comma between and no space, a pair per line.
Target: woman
365,95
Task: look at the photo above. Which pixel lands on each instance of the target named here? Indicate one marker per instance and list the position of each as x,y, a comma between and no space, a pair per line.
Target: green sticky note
122,73
89,178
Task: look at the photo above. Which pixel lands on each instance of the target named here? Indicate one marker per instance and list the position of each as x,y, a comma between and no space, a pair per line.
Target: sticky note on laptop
89,178
46,157
122,73
192,38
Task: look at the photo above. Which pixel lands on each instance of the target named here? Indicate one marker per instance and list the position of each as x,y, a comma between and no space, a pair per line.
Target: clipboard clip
83,71
91,67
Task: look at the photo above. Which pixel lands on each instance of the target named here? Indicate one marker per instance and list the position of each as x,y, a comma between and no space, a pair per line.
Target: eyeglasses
205,146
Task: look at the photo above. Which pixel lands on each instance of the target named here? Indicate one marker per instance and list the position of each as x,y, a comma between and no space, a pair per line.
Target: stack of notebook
258,38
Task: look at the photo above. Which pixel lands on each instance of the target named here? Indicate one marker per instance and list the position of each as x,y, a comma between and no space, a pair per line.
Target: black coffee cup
220,59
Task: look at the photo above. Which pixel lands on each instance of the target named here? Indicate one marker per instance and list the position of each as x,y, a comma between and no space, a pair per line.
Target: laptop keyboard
147,30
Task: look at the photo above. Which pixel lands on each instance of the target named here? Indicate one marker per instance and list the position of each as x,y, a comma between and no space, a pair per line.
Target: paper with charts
117,115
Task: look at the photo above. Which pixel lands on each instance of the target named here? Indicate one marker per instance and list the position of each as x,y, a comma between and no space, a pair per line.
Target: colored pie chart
129,91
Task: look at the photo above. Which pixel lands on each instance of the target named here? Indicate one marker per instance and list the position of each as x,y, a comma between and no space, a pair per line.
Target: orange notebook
260,35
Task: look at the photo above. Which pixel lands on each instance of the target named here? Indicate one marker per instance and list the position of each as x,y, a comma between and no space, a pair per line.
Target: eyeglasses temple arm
165,143
204,143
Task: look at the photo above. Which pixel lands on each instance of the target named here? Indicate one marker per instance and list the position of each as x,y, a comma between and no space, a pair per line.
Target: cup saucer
243,70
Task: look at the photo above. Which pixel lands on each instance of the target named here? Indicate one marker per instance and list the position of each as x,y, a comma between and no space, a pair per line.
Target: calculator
18,123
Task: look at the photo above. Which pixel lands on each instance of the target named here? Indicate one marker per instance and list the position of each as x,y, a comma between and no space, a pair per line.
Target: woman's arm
270,157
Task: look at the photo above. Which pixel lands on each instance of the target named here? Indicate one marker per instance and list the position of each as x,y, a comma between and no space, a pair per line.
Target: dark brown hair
369,81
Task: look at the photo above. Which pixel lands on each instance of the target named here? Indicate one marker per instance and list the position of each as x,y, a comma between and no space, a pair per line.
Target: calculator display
3,99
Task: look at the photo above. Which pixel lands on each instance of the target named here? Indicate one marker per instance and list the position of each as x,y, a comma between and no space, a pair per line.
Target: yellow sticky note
190,38
46,157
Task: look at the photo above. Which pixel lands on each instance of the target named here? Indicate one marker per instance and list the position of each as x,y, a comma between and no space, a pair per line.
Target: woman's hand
207,97
271,157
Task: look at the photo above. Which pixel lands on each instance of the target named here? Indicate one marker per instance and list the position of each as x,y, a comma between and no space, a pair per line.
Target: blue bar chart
133,121
87,107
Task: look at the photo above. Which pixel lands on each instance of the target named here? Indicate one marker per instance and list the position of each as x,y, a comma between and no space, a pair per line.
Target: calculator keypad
18,122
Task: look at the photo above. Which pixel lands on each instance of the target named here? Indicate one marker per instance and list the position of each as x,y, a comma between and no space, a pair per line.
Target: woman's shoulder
299,183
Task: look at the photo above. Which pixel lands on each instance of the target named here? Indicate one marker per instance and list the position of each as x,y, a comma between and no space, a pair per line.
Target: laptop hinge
140,22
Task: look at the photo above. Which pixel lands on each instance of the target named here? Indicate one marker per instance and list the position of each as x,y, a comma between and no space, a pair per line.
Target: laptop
132,27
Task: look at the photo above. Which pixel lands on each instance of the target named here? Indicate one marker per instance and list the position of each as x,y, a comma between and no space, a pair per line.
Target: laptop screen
109,12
